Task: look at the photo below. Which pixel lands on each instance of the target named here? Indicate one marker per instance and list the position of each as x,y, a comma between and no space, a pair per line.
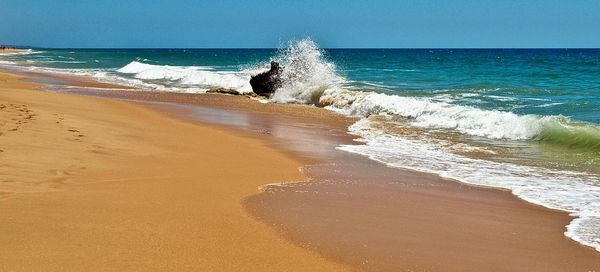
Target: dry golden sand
91,184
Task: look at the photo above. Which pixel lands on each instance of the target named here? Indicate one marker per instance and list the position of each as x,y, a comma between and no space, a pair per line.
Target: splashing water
306,73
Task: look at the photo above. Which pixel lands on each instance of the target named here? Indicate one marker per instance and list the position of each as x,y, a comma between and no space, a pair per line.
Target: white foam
502,98
306,73
576,193
549,105
189,75
19,52
379,85
426,113
107,76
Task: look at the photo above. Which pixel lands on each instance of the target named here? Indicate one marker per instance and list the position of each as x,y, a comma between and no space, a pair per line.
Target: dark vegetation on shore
6,47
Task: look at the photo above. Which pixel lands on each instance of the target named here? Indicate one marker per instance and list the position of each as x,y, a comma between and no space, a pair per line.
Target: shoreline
279,204
274,205
124,187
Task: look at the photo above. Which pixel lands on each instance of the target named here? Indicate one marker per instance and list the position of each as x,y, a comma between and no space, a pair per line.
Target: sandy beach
173,184
91,184
375,136
378,218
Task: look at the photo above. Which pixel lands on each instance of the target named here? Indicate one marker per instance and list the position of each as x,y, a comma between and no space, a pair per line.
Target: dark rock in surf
266,83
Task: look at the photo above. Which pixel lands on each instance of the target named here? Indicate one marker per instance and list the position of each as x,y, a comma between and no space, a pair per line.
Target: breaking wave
425,113
189,75
309,77
17,52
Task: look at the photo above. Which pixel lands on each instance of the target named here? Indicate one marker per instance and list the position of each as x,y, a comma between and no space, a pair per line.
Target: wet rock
266,83
224,91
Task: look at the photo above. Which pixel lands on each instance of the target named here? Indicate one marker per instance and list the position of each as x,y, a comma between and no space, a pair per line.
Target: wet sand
364,214
92,184
378,218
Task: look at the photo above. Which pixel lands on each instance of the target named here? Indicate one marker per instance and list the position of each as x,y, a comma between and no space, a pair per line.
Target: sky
270,23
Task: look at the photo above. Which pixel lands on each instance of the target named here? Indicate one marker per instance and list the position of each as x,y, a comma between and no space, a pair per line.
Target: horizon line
326,48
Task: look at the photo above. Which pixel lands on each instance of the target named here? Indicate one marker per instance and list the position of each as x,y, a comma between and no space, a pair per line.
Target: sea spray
306,73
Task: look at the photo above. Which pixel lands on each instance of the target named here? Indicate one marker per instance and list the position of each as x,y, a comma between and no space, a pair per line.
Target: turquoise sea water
522,119
526,81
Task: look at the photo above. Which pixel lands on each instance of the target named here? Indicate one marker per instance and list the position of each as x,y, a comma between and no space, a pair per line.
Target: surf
189,75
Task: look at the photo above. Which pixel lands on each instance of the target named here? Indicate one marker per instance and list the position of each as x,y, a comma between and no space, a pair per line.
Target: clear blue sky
267,23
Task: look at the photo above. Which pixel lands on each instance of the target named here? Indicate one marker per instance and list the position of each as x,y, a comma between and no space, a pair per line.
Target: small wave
20,52
378,85
59,61
189,75
571,134
108,76
383,69
425,113
548,105
434,114
501,98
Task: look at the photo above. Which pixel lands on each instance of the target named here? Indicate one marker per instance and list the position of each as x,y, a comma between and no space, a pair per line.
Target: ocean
527,120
